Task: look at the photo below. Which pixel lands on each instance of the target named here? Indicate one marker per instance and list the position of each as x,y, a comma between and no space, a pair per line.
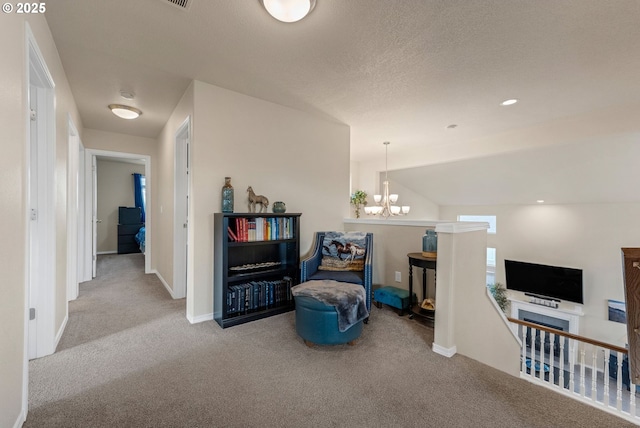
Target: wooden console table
420,261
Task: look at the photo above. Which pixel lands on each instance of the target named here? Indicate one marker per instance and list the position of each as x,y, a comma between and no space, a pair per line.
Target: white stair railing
584,369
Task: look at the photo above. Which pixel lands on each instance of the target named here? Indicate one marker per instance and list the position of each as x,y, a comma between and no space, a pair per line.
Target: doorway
41,271
91,195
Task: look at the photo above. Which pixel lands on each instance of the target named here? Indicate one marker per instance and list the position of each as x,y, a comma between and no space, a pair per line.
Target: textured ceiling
396,70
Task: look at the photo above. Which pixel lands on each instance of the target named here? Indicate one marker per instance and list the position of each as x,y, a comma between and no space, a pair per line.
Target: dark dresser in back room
128,225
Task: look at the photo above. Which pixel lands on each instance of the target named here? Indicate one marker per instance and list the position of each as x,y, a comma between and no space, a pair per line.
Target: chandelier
385,203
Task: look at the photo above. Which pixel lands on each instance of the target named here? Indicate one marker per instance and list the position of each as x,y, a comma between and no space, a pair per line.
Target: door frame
73,207
91,193
182,190
83,268
40,248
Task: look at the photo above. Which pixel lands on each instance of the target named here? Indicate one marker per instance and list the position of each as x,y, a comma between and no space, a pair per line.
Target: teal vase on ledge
430,243
227,196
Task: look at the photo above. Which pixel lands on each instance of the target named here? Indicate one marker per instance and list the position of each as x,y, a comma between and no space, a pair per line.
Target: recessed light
509,102
540,201
125,112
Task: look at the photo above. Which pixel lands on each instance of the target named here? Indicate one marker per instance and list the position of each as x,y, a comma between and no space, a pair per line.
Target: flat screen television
553,282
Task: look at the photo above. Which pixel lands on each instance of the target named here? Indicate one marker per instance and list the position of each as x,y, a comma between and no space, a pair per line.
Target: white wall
115,142
163,197
467,320
285,154
368,176
588,237
392,241
115,189
13,215
13,191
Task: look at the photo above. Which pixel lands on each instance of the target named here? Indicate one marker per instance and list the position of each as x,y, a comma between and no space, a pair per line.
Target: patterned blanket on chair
348,299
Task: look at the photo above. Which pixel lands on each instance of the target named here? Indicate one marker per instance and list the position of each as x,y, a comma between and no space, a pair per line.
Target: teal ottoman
393,296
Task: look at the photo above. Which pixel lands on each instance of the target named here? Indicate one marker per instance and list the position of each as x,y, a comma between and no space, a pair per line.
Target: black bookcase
256,262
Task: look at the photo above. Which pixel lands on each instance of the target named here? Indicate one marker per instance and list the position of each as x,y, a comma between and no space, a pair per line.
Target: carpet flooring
129,358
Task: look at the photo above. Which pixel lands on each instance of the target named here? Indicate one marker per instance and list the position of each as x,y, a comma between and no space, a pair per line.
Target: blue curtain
138,189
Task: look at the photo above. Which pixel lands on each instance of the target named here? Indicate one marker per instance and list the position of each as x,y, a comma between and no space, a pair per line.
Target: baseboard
447,352
60,332
22,418
200,318
192,320
165,283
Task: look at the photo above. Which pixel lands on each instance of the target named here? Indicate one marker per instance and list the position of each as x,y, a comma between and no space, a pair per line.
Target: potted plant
358,200
499,293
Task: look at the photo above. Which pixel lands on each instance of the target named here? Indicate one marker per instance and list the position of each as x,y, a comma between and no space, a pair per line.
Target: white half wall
584,236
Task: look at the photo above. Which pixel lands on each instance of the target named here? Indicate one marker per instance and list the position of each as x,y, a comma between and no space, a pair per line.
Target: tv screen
554,282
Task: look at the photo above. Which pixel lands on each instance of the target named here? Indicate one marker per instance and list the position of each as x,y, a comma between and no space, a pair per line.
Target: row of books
256,295
261,229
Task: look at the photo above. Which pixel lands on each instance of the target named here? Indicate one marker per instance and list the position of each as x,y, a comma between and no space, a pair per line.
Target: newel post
461,277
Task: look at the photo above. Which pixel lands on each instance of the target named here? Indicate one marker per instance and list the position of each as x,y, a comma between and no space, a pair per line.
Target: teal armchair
311,266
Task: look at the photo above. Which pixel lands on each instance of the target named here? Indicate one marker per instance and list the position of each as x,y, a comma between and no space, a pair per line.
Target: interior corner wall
585,236
285,154
115,189
163,194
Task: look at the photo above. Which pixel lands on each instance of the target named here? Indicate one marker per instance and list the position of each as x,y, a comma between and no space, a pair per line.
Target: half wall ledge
440,226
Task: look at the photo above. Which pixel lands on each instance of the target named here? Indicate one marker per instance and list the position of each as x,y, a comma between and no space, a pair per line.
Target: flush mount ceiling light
288,10
509,102
124,112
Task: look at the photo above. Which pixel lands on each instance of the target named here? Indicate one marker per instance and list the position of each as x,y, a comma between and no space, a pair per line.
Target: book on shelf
258,295
232,235
249,229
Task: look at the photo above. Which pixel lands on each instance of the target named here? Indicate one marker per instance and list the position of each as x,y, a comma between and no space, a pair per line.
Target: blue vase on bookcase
227,196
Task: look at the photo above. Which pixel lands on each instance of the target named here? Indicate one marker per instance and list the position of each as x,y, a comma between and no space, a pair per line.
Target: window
491,219
143,185
491,265
491,252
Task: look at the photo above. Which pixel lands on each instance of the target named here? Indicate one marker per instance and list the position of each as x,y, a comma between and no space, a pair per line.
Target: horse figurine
257,199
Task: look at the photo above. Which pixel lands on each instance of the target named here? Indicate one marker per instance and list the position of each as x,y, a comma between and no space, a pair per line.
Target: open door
94,215
181,210
631,277
40,331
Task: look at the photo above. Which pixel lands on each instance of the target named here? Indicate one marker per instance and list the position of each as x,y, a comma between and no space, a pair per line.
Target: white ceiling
396,70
